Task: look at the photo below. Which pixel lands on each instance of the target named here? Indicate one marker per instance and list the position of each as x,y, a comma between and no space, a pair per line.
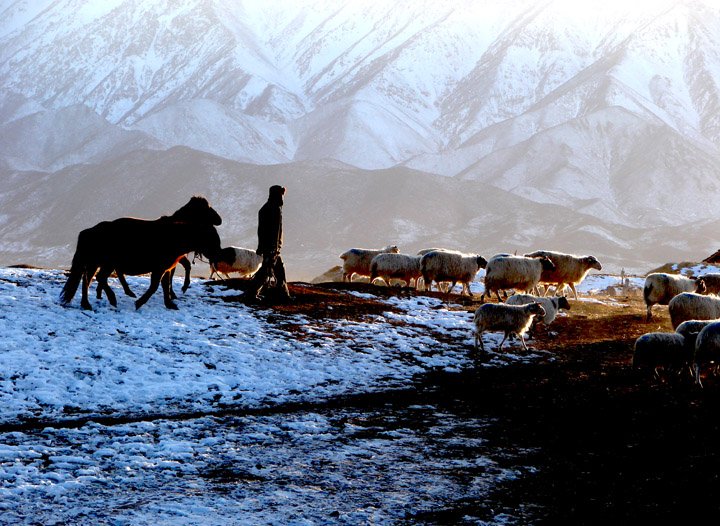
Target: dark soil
608,444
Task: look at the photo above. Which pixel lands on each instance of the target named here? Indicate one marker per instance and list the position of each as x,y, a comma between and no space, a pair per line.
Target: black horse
138,246
197,210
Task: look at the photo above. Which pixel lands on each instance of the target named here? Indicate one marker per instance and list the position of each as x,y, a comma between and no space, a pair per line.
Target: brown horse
136,246
197,210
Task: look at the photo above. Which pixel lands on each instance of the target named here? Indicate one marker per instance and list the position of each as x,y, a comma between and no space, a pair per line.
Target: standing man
269,243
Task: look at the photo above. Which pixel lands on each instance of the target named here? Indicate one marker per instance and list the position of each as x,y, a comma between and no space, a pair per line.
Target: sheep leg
572,287
522,340
497,293
503,341
649,313
697,374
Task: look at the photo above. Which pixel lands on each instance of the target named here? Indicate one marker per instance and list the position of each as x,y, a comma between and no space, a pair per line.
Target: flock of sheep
503,272
694,304
694,308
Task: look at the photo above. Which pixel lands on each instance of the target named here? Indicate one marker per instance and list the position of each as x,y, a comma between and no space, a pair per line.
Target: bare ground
597,441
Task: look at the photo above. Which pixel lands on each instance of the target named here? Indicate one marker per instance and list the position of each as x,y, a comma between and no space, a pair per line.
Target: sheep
357,260
398,266
442,285
669,351
514,272
660,288
502,317
690,327
426,250
712,282
707,348
551,305
693,306
569,269
244,261
451,266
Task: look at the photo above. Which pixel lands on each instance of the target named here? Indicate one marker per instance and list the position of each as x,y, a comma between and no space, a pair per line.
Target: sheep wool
660,288
569,270
551,305
454,267
357,260
397,266
243,261
502,317
693,306
514,272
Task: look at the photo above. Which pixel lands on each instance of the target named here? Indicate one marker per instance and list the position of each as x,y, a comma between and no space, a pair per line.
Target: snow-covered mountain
609,112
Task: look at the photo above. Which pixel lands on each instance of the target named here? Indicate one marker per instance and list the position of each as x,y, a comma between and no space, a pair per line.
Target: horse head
197,210
207,242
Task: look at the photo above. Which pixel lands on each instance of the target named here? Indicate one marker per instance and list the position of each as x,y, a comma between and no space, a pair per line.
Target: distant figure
269,244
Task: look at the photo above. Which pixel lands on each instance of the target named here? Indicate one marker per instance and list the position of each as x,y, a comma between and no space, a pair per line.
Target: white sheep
398,266
707,348
669,351
712,282
508,318
569,269
454,267
692,306
243,261
551,305
357,260
442,285
660,288
514,272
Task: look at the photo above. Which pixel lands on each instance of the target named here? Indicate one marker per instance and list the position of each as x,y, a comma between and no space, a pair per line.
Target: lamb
551,305
569,269
693,306
398,266
660,288
502,317
514,272
707,348
669,351
451,266
244,261
357,260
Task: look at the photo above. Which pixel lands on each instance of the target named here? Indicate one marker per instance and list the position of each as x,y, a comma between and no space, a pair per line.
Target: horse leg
185,262
154,283
126,288
102,278
168,293
171,274
86,279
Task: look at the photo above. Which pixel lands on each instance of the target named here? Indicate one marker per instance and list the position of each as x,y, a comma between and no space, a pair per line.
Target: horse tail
76,271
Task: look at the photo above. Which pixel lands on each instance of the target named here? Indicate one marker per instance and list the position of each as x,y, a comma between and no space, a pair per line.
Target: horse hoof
86,306
171,305
132,294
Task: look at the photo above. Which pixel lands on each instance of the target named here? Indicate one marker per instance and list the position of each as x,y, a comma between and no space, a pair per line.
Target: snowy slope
213,414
